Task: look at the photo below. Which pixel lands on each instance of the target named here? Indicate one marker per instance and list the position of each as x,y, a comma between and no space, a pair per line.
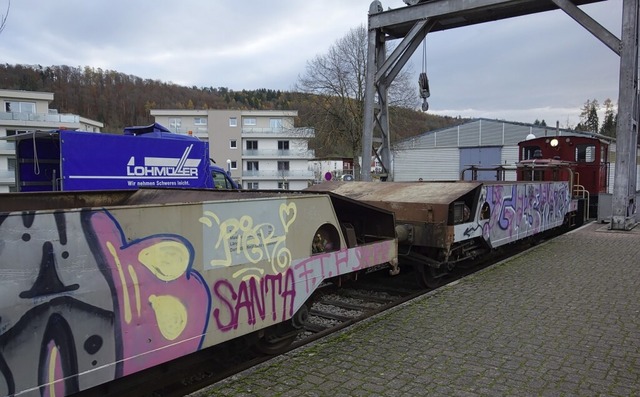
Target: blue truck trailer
147,156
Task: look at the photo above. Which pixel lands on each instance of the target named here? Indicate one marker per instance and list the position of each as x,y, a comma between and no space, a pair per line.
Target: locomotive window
538,175
528,152
585,153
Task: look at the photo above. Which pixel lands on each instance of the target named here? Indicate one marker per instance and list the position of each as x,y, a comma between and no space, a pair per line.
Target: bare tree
337,81
3,17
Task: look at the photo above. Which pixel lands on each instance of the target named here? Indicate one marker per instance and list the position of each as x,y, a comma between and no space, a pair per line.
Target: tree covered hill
120,100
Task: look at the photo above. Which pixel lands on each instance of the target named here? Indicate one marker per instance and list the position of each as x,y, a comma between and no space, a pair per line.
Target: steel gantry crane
412,23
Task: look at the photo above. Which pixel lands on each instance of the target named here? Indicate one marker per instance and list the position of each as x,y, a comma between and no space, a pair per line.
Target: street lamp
229,166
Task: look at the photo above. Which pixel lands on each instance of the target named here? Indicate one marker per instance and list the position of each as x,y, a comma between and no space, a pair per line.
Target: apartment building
261,148
23,111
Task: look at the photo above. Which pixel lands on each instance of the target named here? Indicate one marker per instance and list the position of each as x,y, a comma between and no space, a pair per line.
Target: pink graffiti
274,298
253,299
319,267
142,343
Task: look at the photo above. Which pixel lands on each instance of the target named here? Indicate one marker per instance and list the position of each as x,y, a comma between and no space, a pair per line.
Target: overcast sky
542,66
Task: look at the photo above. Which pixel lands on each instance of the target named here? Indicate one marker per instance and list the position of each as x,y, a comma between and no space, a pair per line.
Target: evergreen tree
589,117
610,119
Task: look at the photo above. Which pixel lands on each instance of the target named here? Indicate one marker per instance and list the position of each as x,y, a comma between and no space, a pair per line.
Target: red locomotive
583,161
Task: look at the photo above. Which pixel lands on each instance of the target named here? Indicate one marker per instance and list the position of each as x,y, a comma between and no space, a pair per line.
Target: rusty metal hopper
410,201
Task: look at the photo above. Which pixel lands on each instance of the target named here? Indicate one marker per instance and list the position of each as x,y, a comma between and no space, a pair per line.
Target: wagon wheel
429,277
272,344
277,339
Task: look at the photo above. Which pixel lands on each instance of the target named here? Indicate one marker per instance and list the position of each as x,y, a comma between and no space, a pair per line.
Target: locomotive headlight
554,142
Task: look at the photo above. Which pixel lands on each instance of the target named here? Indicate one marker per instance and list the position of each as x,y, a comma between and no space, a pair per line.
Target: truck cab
221,179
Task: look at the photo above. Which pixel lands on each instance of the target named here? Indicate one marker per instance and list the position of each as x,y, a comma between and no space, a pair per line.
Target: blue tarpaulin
105,161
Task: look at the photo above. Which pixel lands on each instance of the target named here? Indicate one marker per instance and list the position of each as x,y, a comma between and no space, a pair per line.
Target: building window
275,124
252,185
234,165
283,185
249,121
283,166
283,145
11,164
175,123
252,145
233,122
20,107
199,121
252,166
233,144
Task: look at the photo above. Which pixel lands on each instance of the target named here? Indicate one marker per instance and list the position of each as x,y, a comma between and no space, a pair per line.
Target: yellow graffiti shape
171,315
247,277
136,287
123,281
167,260
206,221
253,242
53,361
288,214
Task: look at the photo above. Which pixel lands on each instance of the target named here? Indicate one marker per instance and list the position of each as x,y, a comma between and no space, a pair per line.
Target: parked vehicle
148,156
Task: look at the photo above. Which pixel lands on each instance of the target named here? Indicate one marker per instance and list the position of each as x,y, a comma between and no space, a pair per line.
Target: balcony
7,147
39,117
303,132
278,174
276,153
7,177
200,132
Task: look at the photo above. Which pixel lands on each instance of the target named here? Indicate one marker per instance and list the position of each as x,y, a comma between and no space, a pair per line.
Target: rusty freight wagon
442,224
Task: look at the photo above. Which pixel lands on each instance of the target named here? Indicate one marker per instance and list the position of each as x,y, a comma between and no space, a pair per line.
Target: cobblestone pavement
560,320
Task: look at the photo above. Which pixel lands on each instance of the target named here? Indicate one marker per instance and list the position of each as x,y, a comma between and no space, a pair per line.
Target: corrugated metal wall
612,175
468,134
428,164
492,134
509,157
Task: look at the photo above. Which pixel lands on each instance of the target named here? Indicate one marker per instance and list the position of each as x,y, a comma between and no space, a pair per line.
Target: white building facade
24,111
262,149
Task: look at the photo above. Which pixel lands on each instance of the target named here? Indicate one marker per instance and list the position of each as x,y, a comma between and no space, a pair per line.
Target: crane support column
624,186
369,99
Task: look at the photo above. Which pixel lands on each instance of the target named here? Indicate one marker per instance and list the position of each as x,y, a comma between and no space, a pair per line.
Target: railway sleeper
330,316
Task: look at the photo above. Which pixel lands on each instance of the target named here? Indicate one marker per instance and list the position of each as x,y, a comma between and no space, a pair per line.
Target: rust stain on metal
61,200
411,201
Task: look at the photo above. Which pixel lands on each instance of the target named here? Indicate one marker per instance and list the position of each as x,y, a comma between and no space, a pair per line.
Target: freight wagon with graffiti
440,225
95,286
